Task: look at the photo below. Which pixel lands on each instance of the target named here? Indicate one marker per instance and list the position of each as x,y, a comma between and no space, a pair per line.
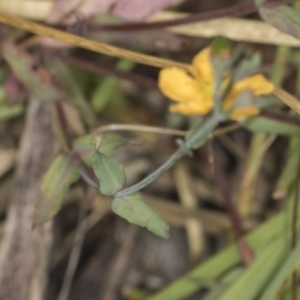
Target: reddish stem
64,124
107,70
246,252
280,117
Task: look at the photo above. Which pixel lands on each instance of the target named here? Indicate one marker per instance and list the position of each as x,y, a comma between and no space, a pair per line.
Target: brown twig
246,252
63,124
120,263
75,254
85,172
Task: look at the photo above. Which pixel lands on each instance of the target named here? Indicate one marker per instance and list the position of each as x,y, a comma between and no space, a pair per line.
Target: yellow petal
192,108
202,66
258,84
176,84
244,112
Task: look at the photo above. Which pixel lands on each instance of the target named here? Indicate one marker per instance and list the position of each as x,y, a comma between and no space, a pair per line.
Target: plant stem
246,252
200,135
75,253
280,117
167,165
100,69
63,124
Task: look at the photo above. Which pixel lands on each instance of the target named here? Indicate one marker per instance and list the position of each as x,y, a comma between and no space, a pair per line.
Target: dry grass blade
247,190
178,215
81,42
287,99
232,28
143,128
75,254
183,182
33,9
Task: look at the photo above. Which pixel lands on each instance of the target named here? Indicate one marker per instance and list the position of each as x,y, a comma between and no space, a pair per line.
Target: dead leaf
69,11
94,7
74,118
138,9
61,9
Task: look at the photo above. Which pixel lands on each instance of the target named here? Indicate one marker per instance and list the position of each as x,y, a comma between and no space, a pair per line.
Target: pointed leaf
110,143
56,182
110,174
258,274
136,211
283,17
262,124
286,268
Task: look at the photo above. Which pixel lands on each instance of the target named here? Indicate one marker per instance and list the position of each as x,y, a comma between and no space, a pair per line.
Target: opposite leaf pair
112,179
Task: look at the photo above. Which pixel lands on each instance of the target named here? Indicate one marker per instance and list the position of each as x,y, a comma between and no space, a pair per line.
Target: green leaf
136,211
257,275
287,267
56,182
213,268
262,124
110,143
110,174
108,86
283,17
289,172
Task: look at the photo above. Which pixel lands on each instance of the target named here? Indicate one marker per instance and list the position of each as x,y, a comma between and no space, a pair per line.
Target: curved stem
200,134
167,165
204,131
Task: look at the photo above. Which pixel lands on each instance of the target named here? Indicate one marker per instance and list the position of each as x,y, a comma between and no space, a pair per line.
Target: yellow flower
194,90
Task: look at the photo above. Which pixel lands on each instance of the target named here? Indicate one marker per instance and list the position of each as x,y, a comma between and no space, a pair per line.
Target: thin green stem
207,127
167,165
199,135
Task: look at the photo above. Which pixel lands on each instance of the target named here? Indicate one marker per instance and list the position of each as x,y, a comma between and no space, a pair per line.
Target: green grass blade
287,267
223,261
